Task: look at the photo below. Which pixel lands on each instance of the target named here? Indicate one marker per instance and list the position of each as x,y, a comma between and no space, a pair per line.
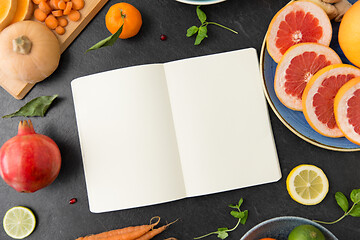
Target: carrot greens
242,216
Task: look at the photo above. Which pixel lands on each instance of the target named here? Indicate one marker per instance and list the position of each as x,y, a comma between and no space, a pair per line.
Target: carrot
54,4
62,21
78,4
57,13
45,7
37,1
149,235
68,8
128,233
62,5
40,15
60,30
51,22
74,15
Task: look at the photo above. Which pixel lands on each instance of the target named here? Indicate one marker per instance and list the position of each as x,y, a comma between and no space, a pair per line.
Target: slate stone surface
57,219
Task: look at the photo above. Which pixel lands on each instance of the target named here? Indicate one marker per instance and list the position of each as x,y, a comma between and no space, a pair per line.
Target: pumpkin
24,10
7,12
29,51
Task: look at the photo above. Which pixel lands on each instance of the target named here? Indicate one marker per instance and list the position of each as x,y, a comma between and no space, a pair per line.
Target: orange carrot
74,15
62,5
149,235
37,1
45,7
68,8
62,21
60,30
40,15
57,13
78,4
128,233
51,22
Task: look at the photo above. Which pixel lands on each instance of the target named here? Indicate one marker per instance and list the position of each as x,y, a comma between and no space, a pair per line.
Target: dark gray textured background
59,220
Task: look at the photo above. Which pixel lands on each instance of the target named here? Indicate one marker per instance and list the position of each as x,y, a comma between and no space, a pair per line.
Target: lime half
19,222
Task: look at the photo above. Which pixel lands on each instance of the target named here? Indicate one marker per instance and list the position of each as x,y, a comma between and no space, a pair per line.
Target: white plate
200,2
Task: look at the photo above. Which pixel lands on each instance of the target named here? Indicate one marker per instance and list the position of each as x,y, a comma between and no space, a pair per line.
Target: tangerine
123,13
349,34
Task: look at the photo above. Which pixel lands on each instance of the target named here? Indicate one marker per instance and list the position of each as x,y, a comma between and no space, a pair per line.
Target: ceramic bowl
280,227
200,2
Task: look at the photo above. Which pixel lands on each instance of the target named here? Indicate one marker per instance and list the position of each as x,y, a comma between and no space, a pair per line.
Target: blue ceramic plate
295,120
280,227
200,2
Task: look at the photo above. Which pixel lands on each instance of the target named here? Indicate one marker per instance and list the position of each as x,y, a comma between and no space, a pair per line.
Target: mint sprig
343,202
242,216
202,30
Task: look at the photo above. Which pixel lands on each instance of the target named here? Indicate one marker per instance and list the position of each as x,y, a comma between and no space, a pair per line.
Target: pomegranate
29,161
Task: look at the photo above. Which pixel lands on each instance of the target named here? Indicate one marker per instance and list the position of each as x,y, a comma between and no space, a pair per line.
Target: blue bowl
280,227
294,120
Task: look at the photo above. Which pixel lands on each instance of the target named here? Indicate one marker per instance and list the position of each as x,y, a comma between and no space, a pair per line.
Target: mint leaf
240,202
222,234
202,33
355,195
244,218
236,214
201,15
342,201
222,229
37,107
355,212
233,206
191,31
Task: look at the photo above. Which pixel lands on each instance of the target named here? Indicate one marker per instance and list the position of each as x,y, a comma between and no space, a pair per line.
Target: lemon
19,222
307,184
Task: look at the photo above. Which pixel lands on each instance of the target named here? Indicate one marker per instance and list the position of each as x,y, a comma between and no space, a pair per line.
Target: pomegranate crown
25,128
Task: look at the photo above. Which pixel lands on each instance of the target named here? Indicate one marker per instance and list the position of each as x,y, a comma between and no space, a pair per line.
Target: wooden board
17,88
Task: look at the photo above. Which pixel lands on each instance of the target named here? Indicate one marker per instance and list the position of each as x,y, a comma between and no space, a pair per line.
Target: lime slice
19,222
307,184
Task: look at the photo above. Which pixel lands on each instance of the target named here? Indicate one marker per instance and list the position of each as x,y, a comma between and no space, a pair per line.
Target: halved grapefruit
319,94
297,22
347,110
295,69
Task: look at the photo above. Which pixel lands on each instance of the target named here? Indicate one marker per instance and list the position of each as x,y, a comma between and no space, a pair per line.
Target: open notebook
155,133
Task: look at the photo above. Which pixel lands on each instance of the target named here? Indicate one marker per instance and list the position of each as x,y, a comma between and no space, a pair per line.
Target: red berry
163,37
73,200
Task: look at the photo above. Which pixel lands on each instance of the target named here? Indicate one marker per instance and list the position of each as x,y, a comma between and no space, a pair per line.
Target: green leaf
37,107
236,214
233,206
222,229
355,195
109,41
355,212
201,15
342,201
191,31
243,219
222,234
201,35
240,201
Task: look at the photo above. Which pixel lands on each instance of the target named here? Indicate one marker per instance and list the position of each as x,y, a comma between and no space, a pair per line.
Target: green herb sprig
37,107
242,216
109,41
343,202
202,30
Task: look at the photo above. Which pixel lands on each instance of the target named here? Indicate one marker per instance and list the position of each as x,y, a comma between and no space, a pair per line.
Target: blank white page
221,122
127,138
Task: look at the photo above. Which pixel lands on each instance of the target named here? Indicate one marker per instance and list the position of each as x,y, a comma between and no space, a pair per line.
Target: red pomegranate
29,161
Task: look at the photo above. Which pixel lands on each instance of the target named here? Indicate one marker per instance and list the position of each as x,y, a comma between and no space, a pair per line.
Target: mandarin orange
123,13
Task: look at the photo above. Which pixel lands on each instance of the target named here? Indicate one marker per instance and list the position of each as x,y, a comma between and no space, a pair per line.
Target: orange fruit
297,22
349,34
296,67
347,110
319,95
7,12
24,10
132,19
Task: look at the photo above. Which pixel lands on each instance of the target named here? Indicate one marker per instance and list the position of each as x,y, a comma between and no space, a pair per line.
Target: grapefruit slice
295,69
297,22
319,94
347,110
